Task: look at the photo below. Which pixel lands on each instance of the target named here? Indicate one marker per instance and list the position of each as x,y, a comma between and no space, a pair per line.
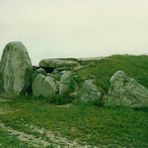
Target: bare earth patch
56,141
29,138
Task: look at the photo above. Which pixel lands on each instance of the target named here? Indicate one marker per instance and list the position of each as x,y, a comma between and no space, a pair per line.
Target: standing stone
43,86
65,83
125,91
15,70
89,92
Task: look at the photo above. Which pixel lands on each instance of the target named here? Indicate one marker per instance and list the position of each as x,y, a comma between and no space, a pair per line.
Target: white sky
75,28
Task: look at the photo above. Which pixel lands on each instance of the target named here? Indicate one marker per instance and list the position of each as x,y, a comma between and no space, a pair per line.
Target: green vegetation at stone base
96,126
102,70
134,66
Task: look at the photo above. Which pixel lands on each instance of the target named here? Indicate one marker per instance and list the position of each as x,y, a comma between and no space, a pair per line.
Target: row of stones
17,77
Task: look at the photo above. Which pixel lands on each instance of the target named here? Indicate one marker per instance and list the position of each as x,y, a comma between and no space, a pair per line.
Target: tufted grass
94,125
8,140
134,66
97,126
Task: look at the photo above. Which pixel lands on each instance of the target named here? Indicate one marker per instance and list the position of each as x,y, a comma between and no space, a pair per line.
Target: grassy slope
120,126
134,66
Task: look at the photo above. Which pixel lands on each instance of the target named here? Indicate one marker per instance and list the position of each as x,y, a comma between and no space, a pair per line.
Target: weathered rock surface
41,71
15,69
125,91
66,83
59,63
43,86
89,92
59,70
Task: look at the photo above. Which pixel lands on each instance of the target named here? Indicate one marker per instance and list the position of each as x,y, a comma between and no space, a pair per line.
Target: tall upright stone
15,70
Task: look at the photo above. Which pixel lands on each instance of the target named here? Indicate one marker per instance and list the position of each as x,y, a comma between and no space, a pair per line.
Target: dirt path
42,137
51,138
36,142
58,139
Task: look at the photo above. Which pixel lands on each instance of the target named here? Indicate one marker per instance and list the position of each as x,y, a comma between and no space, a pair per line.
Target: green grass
118,126
96,126
10,141
134,66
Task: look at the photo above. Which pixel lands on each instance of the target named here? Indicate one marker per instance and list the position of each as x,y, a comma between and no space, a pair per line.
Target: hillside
34,122
134,66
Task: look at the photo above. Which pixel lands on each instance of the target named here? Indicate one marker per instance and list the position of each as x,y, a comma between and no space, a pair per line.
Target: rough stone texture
125,91
66,83
58,63
42,71
89,92
44,86
15,69
59,70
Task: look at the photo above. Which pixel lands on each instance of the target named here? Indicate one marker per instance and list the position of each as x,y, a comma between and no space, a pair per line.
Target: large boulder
125,91
66,84
15,70
59,63
89,92
43,86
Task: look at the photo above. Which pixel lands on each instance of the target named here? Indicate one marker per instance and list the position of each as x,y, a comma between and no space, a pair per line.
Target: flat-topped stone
59,62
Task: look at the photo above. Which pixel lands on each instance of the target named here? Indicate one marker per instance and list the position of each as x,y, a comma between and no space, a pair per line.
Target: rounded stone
15,70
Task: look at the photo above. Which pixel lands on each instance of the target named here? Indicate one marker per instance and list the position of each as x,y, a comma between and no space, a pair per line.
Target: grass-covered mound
86,124
134,66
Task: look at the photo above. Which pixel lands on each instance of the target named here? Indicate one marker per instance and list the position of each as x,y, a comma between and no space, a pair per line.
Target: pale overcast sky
75,28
